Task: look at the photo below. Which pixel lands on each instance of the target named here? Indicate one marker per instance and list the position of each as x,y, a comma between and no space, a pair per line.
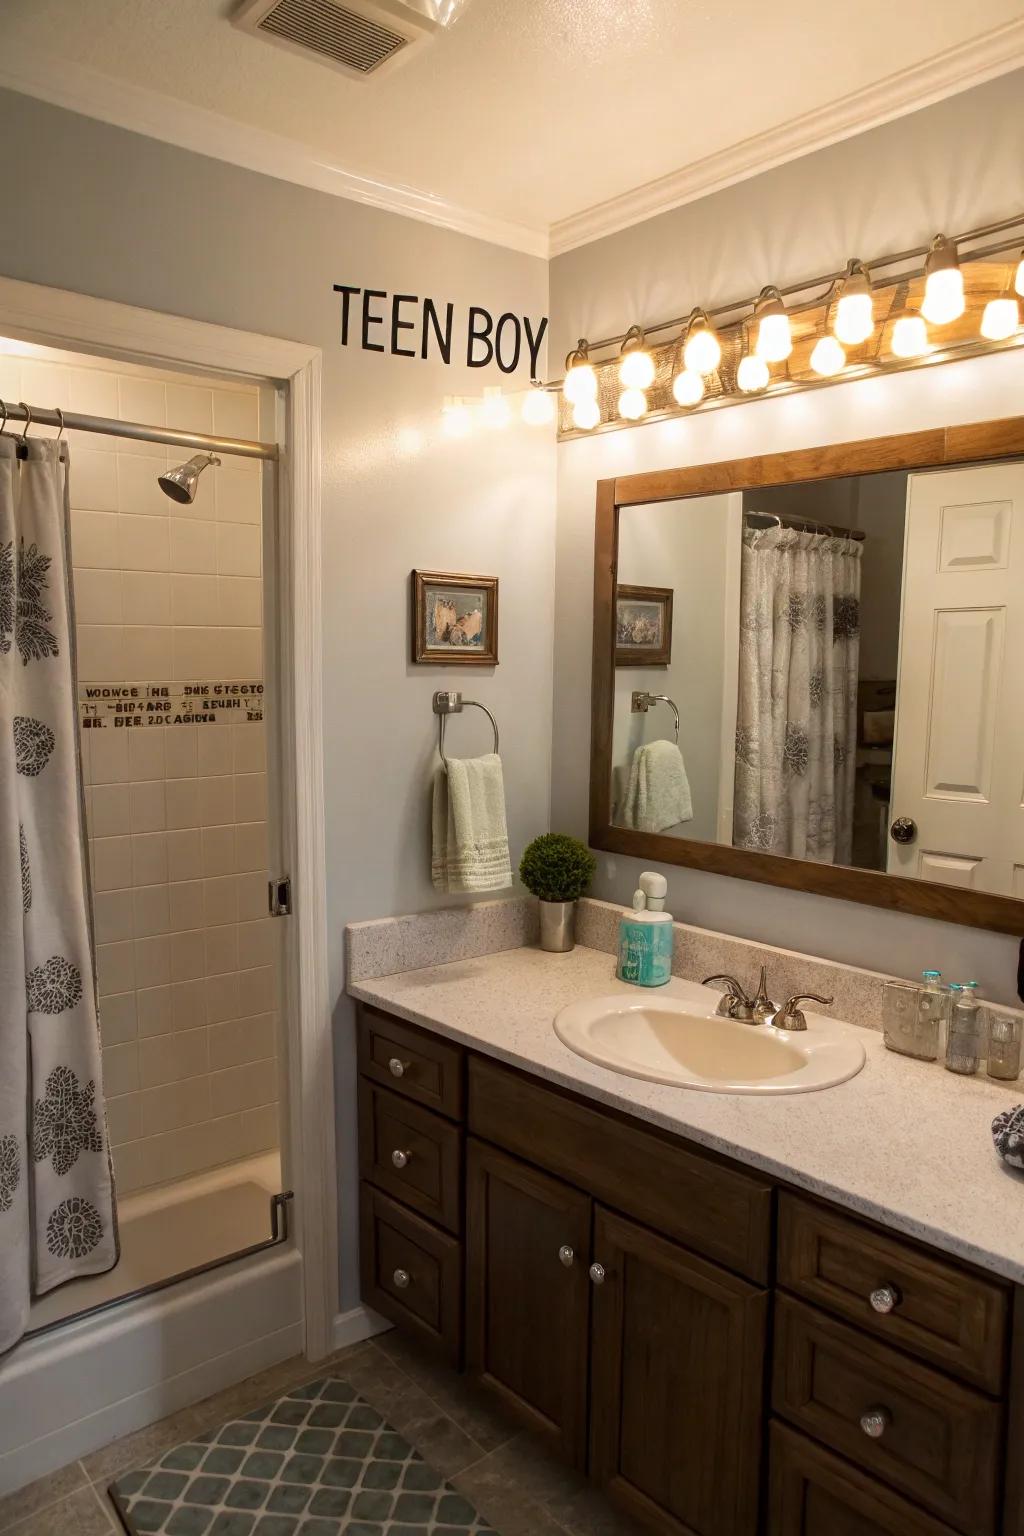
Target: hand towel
469,827
658,794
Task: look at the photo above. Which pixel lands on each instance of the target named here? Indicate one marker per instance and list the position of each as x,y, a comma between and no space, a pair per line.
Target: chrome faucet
735,1004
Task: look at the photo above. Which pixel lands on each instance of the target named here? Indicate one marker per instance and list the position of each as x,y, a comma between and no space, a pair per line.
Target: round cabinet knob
885,1298
397,1068
399,1158
402,1278
903,830
875,1422
566,1256
597,1273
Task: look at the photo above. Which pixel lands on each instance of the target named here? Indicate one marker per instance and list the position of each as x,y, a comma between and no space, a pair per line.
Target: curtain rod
43,416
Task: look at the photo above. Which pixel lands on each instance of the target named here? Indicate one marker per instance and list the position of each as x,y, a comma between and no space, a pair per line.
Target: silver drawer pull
397,1068
399,1158
597,1273
566,1256
885,1298
402,1277
875,1422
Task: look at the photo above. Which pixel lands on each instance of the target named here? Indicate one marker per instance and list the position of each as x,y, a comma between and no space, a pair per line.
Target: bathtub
83,1378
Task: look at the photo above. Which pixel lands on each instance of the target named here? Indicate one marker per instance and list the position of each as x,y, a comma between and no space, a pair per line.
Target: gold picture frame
454,619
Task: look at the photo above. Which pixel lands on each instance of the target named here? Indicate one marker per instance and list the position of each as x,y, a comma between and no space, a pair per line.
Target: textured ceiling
524,110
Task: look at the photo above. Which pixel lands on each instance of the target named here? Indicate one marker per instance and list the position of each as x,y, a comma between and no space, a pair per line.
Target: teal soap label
645,953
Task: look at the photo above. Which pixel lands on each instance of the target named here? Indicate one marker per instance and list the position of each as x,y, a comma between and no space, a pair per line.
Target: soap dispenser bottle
645,935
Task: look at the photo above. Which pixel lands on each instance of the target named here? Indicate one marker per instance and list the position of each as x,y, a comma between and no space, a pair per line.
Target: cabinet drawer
945,1315
705,1204
939,1443
813,1493
411,1153
411,1273
412,1062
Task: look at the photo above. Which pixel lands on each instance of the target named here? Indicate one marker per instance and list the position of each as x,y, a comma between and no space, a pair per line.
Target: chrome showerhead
181,484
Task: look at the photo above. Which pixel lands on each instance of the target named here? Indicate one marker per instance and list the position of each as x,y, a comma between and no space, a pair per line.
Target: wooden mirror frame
939,448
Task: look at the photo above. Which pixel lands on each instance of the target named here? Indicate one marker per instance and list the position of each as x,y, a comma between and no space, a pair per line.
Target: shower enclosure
179,758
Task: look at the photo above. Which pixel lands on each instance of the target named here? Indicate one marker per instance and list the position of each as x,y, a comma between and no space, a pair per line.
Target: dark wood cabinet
527,1293
677,1367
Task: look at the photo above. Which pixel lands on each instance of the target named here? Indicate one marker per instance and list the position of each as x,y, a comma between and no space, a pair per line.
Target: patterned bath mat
317,1462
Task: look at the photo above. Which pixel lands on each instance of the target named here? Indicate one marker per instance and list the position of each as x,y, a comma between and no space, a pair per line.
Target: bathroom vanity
724,1351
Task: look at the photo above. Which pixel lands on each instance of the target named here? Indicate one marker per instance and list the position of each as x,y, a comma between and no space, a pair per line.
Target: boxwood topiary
556,867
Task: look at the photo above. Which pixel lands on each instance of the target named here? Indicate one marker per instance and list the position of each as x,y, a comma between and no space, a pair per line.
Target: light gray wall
123,217
950,166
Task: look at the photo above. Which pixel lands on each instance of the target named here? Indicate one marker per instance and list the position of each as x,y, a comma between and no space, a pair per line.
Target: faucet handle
734,1004
792,1016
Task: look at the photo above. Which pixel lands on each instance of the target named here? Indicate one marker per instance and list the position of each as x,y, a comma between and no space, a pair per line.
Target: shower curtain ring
60,417
28,419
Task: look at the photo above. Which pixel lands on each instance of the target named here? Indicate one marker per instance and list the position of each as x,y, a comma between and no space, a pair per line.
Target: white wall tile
108,751
148,652
93,392
188,1004
146,597
238,496
260,1129
184,855
147,805
154,1011
240,601
257,940
251,848
239,549
130,1171
221,950
138,487
112,911
198,654
182,803
185,901
112,863
115,967
124,1118
143,543
217,799
94,540
118,1019
97,597
153,961
142,400
93,482
218,850
146,757
243,1087
189,408
170,1058
220,901
195,600
193,546
256,992
149,858
242,1040
215,754
175,1105
45,383
180,748
10,377
252,897
101,656
120,1069
249,748
250,797
222,998
236,413
188,956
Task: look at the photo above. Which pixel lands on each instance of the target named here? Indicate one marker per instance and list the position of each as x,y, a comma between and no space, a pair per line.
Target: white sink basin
676,1037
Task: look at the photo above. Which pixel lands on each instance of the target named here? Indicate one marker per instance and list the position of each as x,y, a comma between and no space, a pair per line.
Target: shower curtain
796,727
57,1216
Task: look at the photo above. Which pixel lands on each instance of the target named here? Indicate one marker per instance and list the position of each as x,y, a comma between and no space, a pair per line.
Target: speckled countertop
904,1142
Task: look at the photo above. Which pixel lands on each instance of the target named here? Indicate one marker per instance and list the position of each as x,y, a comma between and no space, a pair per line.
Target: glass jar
965,1040
904,1027
1005,1033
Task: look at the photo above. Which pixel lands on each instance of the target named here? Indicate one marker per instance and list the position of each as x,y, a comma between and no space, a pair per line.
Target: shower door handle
903,830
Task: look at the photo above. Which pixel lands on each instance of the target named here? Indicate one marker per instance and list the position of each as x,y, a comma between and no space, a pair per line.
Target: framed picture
643,626
454,619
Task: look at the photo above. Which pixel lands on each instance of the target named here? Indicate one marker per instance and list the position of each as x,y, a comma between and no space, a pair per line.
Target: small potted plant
557,870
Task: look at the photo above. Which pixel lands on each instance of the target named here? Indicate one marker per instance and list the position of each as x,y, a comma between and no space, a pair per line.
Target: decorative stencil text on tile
120,706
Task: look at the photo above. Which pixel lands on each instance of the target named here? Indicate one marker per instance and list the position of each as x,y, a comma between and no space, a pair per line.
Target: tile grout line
106,1507
8,1526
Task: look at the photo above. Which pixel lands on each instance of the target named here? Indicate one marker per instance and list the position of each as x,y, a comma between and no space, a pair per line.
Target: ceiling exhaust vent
359,37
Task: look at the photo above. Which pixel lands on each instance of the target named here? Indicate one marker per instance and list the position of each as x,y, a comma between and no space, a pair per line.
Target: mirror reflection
823,670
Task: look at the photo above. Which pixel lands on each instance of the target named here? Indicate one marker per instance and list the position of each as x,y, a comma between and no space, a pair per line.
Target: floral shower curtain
57,1217
796,728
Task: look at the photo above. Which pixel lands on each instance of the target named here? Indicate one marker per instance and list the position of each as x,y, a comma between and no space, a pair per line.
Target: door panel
527,1307
958,759
678,1352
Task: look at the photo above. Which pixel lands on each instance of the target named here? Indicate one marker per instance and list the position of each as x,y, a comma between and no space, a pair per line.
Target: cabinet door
677,1396
527,1293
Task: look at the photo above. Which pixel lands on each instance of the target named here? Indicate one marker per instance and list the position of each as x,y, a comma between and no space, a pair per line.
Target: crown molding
78,88
972,63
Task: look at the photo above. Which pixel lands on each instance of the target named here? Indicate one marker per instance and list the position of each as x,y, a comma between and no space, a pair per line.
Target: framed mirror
808,670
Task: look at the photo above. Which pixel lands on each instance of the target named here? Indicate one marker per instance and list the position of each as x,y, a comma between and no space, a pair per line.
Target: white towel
470,831
658,794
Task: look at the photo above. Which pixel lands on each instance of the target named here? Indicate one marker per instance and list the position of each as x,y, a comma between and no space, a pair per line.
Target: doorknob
903,830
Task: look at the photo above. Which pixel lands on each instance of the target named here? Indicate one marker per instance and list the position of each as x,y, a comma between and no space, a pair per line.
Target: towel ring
642,702
446,704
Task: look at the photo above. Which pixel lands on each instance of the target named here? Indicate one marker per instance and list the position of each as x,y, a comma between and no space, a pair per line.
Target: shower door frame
77,322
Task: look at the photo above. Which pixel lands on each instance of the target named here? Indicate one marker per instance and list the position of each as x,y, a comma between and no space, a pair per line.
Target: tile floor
515,1483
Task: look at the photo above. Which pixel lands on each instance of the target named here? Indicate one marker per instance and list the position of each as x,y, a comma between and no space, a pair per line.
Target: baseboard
355,1326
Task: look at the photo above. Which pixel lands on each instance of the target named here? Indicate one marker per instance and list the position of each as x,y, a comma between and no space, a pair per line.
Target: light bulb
632,404
1018,282
688,387
855,319
455,416
636,370
586,414
702,351
495,410
774,339
580,383
909,336
752,374
1001,318
828,357
538,407
943,285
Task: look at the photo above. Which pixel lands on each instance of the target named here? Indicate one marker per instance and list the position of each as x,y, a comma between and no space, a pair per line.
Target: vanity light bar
756,332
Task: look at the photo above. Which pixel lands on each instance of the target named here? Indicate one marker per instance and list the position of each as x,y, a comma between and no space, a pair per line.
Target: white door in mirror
958,762
678,1038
